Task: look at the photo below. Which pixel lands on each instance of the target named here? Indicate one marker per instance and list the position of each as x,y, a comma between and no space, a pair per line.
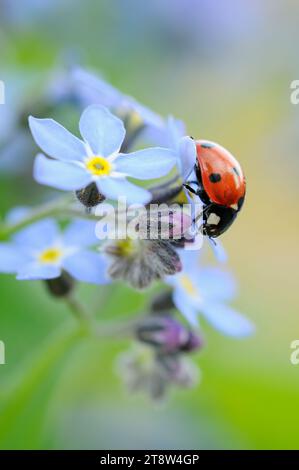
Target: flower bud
167,334
193,343
60,286
162,302
145,370
179,370
180,223
90,196
140,262
162,223
163,332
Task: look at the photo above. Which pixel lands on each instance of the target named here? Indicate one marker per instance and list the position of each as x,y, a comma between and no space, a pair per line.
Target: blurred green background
225,68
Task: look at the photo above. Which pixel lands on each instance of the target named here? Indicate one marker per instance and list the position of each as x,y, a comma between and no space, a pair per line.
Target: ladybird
220,185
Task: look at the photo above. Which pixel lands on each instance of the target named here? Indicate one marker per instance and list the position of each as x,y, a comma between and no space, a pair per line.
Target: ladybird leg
198,191
190,189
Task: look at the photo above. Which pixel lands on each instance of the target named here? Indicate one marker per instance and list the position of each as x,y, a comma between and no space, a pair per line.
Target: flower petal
38,236
16,214
186,308
227,320
80,233
113,188
10,258
92,89
146,164
191,261
149,117
218,250
215,283
187,156
101,130
35,271
87,266
55,140
60,175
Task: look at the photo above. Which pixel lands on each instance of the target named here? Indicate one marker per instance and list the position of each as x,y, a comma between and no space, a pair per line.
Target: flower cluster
59,242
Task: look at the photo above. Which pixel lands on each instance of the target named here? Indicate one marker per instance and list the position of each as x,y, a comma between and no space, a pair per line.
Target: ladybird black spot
207,145
236,171
215,177
240,202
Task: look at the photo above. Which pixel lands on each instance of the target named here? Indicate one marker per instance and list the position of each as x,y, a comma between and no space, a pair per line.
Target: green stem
93,328
80,312
58,207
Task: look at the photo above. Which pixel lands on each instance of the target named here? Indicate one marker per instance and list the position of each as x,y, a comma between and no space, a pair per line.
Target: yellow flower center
51,255
122,248
98,166
135,119
188,285
126,247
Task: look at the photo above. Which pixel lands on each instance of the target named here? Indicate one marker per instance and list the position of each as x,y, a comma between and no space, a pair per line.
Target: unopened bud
162,302
140,262
166,334
60,286
179,370
90,196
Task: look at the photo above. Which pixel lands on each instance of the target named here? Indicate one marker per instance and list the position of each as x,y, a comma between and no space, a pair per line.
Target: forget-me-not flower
42,251
172,134
91,89
76,163
205,291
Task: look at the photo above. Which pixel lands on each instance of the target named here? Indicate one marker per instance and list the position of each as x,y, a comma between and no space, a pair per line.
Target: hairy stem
81,313
63,207
125,328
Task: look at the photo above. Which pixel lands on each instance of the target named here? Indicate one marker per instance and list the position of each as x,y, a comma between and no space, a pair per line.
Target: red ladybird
221,186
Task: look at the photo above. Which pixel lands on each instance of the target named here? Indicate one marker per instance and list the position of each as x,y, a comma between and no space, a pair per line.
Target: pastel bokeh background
225,68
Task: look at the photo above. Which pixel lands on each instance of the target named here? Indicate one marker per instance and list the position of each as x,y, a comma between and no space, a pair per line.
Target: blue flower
205,291
42,251
169,133
14,140
75,163
172,134
91,89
